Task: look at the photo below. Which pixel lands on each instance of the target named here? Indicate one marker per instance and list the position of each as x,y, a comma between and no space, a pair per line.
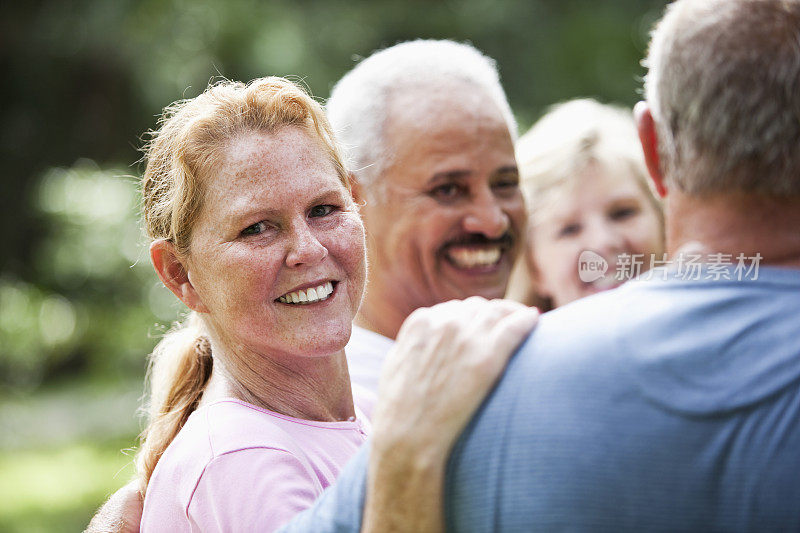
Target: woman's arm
446,360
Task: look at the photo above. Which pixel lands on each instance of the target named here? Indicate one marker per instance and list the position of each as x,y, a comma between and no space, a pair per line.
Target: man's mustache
479,239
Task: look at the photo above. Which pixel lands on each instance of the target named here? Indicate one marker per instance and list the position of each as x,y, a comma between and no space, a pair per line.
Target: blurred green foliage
96,300
79,303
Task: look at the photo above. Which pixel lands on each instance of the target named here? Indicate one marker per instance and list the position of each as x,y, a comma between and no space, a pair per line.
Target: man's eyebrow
449,175
508,169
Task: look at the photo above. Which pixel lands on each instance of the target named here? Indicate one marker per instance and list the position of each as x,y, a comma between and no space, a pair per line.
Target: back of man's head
359,102
724,89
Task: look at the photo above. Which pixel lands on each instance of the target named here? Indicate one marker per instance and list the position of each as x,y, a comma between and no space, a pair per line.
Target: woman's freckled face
605,212
277,218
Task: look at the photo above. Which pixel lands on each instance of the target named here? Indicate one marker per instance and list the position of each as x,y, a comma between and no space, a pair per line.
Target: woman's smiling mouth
311,295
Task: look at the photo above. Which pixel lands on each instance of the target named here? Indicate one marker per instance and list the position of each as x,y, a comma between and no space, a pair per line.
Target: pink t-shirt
237,467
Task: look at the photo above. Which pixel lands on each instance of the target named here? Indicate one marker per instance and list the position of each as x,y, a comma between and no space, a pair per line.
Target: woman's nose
604,238
305,248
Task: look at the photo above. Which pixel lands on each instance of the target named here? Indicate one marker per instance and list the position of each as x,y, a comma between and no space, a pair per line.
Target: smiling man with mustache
431,139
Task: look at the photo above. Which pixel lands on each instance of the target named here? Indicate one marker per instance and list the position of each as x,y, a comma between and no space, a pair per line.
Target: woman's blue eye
254,229
321,210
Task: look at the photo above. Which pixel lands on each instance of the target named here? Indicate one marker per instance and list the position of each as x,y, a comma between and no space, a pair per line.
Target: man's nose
305,248
486,216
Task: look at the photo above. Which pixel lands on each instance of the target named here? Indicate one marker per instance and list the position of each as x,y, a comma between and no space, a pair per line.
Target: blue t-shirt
665,405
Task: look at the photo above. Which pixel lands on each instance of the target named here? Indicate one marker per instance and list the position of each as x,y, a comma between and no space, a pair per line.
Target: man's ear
172,271
356,190
649,139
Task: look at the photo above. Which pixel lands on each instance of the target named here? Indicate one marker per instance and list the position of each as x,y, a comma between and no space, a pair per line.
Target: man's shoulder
653,378
650,310
580,328
658,335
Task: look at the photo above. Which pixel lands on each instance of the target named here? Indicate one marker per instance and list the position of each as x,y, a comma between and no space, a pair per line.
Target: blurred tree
96,296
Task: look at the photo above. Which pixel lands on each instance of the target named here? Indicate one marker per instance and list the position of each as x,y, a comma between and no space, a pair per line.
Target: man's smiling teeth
308,296
472,258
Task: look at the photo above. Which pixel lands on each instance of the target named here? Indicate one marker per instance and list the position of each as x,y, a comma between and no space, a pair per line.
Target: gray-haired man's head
430,139
724,90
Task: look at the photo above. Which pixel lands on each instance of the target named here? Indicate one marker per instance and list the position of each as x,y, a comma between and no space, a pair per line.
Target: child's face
605,212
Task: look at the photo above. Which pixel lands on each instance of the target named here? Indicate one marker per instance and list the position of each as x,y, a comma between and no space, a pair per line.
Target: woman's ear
174,274
356,190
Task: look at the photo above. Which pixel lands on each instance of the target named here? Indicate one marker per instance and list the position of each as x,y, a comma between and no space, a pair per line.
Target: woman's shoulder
232,425
223,427
229,425
227,452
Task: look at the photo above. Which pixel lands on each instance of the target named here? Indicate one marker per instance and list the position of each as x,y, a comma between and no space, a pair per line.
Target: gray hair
724,89
568,139
358,105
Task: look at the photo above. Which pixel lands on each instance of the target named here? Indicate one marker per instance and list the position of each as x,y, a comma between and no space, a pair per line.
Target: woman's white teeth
472,258
308,296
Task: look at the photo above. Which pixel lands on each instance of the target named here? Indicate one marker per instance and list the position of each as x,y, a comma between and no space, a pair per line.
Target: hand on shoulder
445,361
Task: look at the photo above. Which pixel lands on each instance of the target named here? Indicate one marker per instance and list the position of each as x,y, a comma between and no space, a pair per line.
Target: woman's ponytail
179,368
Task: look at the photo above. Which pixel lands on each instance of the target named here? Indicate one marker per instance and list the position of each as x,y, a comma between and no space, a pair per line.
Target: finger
496,309
512,330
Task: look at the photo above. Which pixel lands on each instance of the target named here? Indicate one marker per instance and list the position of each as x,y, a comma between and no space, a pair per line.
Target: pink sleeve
256,489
